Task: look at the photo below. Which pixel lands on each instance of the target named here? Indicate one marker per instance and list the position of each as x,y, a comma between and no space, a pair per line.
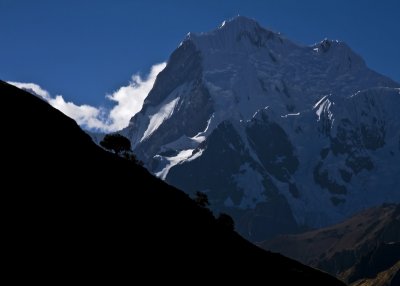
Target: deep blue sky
85,49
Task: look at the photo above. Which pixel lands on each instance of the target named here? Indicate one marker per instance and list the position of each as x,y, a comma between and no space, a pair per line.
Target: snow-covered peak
240,23
258,121
239,68
238,33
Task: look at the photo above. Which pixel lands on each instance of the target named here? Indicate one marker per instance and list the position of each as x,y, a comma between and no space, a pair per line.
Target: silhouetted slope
365,247
72,209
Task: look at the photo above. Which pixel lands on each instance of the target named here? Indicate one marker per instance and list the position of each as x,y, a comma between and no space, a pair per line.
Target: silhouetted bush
116,142
226,221
201,199
131,157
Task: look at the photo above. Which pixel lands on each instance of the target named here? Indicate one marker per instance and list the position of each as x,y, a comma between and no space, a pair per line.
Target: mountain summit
281,136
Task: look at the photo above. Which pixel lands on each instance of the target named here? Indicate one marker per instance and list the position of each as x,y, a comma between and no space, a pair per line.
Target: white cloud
32,88
129,100
85,115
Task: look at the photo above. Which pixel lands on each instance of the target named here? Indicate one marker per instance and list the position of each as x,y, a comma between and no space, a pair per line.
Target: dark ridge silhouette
76,212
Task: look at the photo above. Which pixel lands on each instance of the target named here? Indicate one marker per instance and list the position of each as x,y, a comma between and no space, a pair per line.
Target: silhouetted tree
226,221
201,199
131,157
116,142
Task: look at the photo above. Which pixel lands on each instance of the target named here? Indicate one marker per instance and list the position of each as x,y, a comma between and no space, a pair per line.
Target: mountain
363,250
281,136
71,213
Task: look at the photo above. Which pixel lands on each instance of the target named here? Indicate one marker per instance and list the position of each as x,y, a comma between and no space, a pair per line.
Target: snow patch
173,161
195,156
201,136
319,101
290,114
258,111
324,106
157,119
